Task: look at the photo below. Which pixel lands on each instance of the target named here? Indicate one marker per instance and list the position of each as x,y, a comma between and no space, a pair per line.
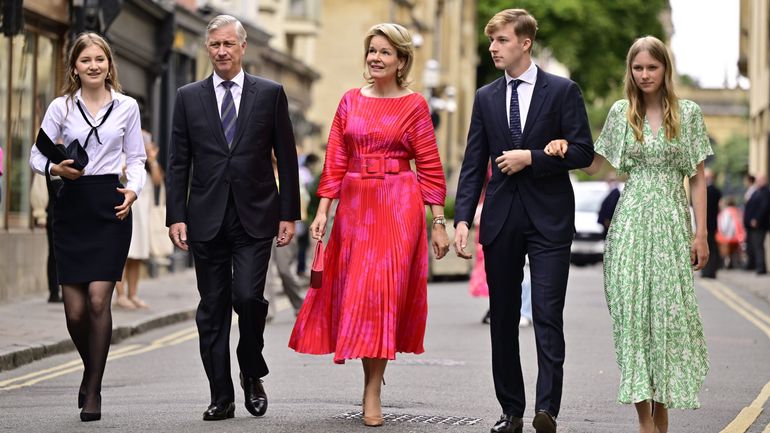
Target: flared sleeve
336,161
422,140
611,143
693,136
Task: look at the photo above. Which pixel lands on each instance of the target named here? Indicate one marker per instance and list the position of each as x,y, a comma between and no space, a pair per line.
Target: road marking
747,415
76,365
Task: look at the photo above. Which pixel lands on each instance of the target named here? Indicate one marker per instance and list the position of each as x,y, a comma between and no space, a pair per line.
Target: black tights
89,322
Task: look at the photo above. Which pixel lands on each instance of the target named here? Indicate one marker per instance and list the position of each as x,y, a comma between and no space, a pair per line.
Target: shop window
28,71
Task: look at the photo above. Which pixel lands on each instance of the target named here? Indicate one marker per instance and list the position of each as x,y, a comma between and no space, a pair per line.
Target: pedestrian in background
713,198
306,178
731,234
529,210
750,182
651,253
139,250
42,197
223,204
92,218
373,300
756,218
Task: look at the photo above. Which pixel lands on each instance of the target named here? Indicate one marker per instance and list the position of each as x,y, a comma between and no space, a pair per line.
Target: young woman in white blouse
92,218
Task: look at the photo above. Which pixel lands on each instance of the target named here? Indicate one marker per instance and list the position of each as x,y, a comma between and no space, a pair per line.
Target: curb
33,352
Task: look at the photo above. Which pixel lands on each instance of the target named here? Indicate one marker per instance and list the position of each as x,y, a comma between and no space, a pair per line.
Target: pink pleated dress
373,300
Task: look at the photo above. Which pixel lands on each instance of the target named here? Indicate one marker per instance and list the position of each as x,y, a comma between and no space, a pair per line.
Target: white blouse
121,133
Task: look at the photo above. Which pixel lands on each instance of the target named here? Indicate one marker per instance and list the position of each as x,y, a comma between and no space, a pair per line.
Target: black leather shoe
254,395
508,424
544,422
218,413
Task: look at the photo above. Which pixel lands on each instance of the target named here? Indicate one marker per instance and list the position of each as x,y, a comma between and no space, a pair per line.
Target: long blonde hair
83,41
636,107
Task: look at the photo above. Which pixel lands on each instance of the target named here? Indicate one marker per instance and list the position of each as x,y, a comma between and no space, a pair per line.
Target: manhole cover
423,419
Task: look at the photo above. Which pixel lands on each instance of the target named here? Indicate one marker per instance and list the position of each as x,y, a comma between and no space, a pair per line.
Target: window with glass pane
22,101
4,56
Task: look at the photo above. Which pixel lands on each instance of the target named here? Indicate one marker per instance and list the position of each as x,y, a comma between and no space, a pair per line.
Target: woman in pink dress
373,300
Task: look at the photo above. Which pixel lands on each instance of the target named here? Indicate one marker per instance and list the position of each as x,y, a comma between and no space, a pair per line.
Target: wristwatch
439,220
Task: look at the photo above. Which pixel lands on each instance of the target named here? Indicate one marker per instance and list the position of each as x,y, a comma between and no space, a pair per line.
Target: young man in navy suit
529,208
226,128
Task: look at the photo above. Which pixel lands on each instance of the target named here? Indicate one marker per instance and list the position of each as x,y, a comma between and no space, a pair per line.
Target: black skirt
90,242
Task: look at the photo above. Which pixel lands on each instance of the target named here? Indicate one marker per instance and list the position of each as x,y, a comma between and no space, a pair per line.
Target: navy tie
227,113
514,116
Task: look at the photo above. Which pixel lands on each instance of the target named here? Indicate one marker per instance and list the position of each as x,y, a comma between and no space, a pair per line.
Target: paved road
155,381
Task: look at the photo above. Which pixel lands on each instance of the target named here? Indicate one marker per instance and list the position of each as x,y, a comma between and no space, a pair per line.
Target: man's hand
64,170
285,233
461,240
556,147
178,234
513,161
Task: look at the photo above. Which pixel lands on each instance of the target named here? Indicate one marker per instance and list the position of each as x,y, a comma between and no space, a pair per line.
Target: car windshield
588,200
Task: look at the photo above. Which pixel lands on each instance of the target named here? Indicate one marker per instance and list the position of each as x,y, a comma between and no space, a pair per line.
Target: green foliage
730,163
590,37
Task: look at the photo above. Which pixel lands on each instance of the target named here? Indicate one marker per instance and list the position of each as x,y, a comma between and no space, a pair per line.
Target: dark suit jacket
758,208
556,111
245,169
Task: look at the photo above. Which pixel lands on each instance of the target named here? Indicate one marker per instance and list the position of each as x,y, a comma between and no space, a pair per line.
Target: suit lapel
539,94
248,96
499,111
211,110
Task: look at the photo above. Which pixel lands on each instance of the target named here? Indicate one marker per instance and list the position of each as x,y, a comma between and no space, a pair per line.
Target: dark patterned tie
514,116
228,113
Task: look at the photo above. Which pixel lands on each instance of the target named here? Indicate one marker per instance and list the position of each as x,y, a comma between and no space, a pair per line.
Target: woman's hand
64,170
128,200
439,240
556,148
318,227
699,253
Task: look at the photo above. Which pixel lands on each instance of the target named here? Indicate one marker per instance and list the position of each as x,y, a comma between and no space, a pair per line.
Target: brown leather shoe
508,424
544,422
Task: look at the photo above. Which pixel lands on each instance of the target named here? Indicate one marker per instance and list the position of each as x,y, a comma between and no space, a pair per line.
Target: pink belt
376,166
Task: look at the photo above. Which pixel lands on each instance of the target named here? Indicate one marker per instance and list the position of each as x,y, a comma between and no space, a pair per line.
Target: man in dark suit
225,129
713,196
529,208
756,218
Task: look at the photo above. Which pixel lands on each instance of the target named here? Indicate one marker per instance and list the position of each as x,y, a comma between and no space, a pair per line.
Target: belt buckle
373,166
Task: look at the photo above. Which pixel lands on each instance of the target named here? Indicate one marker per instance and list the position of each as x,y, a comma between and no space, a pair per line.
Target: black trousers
549,270
231,270
757,237
710,270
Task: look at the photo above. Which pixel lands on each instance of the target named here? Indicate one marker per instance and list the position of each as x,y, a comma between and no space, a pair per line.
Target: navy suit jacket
556,111
244,169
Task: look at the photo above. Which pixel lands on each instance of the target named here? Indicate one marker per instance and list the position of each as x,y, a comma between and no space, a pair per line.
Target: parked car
588,244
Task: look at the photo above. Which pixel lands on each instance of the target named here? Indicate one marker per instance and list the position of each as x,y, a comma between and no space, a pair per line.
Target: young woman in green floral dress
657,139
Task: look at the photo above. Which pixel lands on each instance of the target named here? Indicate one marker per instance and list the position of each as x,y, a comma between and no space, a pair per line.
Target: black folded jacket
57,153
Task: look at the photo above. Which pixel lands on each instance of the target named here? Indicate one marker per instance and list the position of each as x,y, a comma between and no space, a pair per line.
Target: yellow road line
767,429
66,366
719,293
747,415
76,365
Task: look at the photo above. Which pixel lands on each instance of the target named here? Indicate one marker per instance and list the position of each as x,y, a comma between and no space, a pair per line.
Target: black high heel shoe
91,416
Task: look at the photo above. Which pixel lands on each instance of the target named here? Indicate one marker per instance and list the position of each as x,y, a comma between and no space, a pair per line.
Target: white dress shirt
525,89
120,134
236,90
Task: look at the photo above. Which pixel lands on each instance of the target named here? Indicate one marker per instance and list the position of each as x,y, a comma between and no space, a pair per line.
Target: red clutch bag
317,269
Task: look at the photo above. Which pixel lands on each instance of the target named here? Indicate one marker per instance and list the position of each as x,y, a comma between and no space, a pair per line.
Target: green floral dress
648,279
